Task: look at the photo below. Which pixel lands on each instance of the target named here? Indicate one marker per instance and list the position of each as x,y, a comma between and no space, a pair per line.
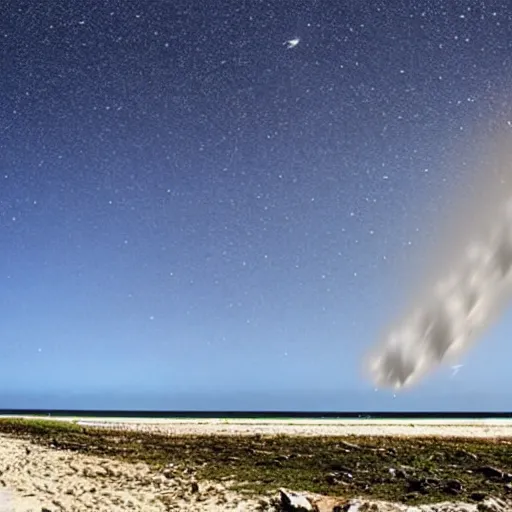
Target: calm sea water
305,404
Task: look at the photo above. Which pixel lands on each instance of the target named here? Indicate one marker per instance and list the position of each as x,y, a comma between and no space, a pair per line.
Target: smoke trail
456,310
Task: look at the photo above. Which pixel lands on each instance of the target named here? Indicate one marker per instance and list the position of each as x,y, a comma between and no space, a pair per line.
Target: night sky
216,204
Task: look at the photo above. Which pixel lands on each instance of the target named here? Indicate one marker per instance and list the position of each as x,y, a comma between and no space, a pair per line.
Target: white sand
487,428
33,477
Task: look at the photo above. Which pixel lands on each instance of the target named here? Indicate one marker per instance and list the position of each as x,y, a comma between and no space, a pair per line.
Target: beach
39,479
469,428
155,465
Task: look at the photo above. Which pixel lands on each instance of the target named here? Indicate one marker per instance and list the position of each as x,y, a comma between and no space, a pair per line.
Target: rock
453,486
491,472
300,502
194,487
294,502
415,486
468,454
495,474
351,446
422,485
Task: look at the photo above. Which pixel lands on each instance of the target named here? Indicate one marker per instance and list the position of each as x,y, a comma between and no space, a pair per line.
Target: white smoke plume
456,308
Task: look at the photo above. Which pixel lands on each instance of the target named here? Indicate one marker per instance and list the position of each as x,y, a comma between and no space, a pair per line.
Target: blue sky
192,213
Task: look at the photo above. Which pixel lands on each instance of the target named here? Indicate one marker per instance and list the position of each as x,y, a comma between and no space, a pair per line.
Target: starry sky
217,204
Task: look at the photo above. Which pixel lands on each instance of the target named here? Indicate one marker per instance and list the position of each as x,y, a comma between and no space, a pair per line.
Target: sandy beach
471,428
35,477
38,479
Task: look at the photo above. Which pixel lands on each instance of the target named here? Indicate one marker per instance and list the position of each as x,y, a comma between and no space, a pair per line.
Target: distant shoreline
477,422
468,428
263,415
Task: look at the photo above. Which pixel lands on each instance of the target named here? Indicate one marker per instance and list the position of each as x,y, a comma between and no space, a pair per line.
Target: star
292,43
